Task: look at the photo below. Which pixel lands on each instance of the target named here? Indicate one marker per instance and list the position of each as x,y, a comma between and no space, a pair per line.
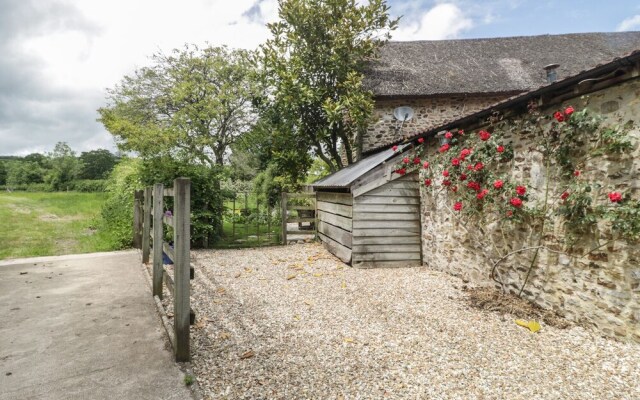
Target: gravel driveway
295,322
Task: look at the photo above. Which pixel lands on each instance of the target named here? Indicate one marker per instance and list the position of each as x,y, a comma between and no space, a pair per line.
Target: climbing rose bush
475,171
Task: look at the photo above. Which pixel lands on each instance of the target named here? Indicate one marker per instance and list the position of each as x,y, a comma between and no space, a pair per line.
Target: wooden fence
301,209
150,205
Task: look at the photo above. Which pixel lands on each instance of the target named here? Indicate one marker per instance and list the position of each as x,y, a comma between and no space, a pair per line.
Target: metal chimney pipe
552,74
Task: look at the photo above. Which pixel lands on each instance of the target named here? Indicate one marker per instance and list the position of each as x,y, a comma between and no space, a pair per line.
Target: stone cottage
446,79
600,288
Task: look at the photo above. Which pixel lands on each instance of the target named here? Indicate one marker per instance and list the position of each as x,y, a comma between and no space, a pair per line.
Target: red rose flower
444,148
483,193
484,135
500,149
448,135
474,185
460,132
416,160
479,166
394,148
568,111
464,153
421,140
498,184
401,171
446,182
558,116
454,189
463,177
455,162
615,197
469,167
564,195
516,202
427,182
405,160
457,206
445,173
521,190
425,165
576,173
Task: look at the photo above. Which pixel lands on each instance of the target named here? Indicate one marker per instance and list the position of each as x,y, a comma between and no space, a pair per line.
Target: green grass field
40,224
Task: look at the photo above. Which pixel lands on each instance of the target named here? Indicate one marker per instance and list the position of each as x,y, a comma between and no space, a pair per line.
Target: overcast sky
57,57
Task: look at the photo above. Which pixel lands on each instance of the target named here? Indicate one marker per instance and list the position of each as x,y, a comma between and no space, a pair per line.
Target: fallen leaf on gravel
291,277
318,274
533,326
170,315
348,340
307,302
247,354
344,284
225,335
221,290
200,324
296,317
238,275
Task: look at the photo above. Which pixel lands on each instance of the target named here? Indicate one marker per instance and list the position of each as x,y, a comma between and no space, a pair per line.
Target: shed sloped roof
495,65
346,176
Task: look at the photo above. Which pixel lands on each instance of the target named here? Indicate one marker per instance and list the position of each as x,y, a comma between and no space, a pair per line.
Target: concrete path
82,327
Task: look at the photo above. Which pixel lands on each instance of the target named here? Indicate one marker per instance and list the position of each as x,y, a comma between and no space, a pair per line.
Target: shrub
117,212
88,185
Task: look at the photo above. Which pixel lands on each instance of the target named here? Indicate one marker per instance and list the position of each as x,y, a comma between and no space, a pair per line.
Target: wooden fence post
158,207
146,225
181,241
283,205
138,198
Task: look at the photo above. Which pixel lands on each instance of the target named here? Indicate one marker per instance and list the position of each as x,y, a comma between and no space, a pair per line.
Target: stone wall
429,112
602,289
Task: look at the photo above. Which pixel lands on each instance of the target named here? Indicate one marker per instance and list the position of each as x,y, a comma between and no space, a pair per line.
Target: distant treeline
60,170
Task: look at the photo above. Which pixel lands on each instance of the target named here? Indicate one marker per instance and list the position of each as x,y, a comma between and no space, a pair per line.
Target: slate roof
610,66
495,65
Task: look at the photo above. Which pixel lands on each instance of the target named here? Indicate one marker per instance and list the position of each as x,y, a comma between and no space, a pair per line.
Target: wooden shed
369,216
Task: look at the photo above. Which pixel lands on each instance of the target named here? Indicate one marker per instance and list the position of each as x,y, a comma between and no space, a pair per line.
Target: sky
58,57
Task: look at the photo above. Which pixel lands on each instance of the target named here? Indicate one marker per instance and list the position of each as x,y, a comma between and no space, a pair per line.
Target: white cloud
443,21
629,24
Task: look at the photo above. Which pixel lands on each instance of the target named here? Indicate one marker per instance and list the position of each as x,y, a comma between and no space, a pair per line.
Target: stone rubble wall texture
601,290
428,113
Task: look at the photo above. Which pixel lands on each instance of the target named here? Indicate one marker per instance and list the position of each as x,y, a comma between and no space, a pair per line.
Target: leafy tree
24,173
97,164
38,158
191,105
65,166
314,62
3,174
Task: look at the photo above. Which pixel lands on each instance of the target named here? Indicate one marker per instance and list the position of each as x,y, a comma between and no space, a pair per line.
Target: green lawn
39,224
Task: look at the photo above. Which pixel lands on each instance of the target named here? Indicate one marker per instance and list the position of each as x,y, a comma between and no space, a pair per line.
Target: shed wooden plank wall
335,223
386,225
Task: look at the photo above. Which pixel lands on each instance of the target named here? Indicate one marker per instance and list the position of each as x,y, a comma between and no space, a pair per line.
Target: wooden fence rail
286,206
153,220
